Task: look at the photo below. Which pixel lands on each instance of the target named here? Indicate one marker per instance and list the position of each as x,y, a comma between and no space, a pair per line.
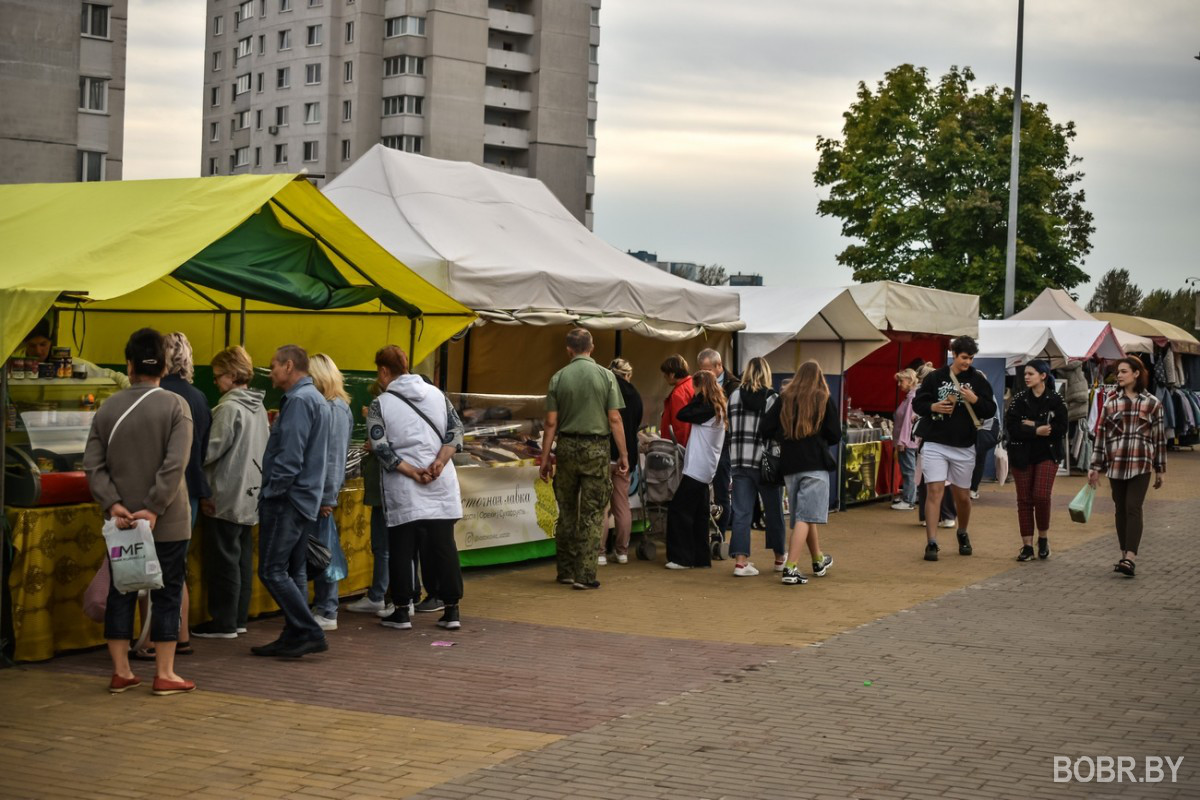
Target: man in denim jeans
293,478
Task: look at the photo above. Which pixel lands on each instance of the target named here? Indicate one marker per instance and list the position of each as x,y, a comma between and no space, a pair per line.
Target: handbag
318,557
1081,506
770,469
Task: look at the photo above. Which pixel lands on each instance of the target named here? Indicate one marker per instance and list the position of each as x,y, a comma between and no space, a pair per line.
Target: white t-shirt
704,450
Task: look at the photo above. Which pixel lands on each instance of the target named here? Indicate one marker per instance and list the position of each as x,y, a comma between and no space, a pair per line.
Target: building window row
312,151
407,143
312,74
402,104
404,26
312,113
93,94
94,21
91,166
403,65
315,35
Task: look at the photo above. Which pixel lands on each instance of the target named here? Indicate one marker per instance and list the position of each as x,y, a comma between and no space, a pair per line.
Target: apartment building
63,87
314,84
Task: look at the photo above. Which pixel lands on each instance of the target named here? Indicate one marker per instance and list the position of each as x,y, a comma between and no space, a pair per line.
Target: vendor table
869,471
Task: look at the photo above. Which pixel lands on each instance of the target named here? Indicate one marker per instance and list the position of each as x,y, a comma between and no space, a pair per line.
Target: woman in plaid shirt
1130,444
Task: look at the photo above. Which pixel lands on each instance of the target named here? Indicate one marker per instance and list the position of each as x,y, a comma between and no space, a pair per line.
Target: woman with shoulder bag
747,405
1036,422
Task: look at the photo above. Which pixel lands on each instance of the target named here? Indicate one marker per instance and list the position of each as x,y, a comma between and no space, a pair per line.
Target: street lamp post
1010,260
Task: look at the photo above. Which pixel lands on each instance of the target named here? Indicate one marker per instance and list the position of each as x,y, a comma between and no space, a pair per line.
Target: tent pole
4,662
617,345
242,324
466,365
737,355
443,365
412,339
841,446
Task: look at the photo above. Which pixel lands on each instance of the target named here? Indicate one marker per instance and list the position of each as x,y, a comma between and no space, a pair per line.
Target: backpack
663,469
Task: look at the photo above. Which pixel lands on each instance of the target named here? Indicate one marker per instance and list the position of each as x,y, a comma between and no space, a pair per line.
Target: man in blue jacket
293,479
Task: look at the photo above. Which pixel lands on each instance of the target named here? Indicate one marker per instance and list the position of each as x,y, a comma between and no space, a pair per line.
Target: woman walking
687,515
233,465
747,405
328,380
806,420
136,453
1130,445
906,446
1036,422
631,419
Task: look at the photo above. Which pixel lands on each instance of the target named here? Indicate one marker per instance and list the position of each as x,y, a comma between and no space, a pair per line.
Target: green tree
1116,293
920,182
1177,308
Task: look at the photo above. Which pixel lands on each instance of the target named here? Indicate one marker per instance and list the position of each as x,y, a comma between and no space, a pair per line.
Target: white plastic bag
1000,455
133,557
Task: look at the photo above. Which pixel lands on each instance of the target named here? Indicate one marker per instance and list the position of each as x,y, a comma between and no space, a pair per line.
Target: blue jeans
379,552
282,555
746,487
908,474
325,591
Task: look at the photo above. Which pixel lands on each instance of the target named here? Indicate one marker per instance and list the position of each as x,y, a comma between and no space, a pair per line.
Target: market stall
1055,304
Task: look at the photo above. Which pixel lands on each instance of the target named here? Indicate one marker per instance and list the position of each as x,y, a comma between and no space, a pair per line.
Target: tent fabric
128,237
1055,304
1018,342
775,316
1180,340
504,245
895,306
1083,339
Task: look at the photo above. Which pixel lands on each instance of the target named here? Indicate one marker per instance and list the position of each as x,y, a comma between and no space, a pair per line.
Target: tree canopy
1117,293
920,182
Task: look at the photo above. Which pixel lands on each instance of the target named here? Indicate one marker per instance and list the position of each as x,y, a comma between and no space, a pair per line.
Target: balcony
508,138
510,99
521,171
510,21
509,61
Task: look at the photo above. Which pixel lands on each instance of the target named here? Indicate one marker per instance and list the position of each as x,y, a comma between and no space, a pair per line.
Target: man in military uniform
583,406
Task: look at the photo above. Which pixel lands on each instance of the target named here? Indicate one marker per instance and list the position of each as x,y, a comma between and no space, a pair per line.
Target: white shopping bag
133,557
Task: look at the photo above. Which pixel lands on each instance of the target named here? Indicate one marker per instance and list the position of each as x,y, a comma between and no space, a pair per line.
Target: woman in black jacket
631,418
1036,422
807,423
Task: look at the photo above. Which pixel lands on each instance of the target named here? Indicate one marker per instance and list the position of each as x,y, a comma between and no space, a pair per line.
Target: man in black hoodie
951,402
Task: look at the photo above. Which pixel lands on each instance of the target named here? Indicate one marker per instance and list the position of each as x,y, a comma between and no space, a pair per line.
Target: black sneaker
931,551
304,648
1026,553
964,544
398,619
429,605
586,584
209,630
1043,550
450,620
793,577
272,649
819,569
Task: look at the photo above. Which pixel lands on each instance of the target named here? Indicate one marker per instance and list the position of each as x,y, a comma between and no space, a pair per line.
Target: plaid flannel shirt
745,448
1130,439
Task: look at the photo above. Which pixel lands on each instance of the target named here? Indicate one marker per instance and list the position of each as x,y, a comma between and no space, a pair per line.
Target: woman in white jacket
233,465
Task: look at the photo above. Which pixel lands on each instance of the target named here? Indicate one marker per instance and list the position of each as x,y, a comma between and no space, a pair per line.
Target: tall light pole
1010,260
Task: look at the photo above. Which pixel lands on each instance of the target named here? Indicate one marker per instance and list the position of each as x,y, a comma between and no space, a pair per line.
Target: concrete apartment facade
314,84
62,84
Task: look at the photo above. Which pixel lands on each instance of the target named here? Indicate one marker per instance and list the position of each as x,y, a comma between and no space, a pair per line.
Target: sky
709,113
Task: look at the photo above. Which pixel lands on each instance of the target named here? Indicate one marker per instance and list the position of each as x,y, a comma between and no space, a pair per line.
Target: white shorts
943,464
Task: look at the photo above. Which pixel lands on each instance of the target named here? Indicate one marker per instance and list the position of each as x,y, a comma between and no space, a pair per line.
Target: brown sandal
1126,567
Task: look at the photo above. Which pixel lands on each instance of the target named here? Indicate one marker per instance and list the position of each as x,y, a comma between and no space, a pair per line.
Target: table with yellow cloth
58,550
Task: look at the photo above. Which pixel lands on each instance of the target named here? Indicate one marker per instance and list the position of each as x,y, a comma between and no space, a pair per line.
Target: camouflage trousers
582,487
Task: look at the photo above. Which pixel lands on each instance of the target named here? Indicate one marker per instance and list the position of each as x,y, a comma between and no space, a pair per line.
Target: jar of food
47,369
79,372
60,353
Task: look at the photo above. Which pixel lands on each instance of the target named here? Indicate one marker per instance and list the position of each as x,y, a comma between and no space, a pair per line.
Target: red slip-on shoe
162,687
119,684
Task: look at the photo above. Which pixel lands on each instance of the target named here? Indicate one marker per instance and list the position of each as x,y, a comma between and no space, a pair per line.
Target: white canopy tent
1055,304
1018,342
505,247
901,307
793,324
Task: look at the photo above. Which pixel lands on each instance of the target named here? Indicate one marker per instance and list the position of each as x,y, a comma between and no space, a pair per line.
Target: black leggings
1128,496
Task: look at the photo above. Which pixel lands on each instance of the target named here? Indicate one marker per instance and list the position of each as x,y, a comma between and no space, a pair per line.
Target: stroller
662,471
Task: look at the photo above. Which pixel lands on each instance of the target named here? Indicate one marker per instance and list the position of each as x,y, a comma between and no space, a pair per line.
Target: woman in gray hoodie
233,465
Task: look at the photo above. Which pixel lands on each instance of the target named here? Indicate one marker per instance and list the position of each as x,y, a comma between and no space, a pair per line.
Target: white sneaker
325,623
781,562
901,505
386,611
622,558
601,561
747,571
974,495
241,631
948,523
365,605
673,565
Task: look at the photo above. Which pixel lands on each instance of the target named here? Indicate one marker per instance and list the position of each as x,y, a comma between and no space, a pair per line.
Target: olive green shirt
583,392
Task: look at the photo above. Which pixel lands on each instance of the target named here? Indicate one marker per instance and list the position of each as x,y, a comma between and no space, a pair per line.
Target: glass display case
499,430
46,429
867,463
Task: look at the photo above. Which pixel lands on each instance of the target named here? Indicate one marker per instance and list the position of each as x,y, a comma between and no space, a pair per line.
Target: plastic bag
95,597
1081,506
132,556
1000,455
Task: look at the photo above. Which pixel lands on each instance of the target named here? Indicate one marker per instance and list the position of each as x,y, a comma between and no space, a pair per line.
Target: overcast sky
709,114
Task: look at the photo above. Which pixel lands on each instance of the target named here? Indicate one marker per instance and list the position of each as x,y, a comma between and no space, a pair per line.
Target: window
94,22
245,10
315,3
349,32
258,120
258,82
591,165
593,54
595,16
402,104
347,110
283,77
281,115
214,132
345,149
215,96
218,26
403,65
212,167
312,74
93,94
591,127
404,26
241,157
258,156
262,44
312,113
311,151
285,5
216,60
285,40
262,8
243,84
241,120
409,144
591,90
348,71
314,35
281,154
245,47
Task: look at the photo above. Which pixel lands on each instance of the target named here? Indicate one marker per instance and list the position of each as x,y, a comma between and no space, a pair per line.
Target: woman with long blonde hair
807,424
747,405
328,380
687,515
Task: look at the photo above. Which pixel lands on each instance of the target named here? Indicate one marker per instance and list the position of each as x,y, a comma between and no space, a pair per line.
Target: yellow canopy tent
1163,333
183,253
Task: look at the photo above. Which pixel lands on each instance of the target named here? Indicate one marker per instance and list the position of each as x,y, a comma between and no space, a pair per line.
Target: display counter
869,468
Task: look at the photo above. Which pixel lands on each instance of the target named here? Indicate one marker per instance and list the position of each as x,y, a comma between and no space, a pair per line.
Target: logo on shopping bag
126,551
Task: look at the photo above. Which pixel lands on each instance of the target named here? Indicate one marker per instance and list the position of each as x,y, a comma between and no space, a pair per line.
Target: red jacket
679,397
